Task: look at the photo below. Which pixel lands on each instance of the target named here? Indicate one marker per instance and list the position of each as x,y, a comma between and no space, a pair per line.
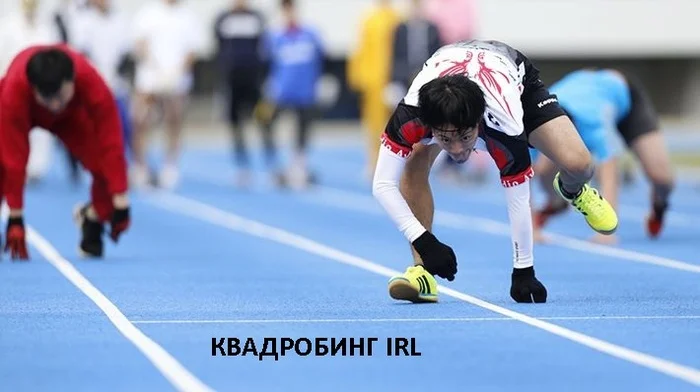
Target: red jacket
89,126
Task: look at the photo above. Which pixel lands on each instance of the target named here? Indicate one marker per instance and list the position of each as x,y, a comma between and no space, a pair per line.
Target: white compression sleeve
520,215
385,189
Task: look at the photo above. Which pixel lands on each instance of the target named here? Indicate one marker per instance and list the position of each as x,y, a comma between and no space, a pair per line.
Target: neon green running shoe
599,214
416,285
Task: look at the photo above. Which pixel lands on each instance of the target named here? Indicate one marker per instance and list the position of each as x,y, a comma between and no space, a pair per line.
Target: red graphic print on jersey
458,67
487,77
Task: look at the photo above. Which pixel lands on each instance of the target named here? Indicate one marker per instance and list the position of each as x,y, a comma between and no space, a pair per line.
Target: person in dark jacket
415,40
240,34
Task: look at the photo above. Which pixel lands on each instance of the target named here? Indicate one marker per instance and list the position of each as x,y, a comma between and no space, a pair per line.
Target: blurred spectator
167,41
102,33
456,19
296,64
65,19
240,34
415,40
369,72
19,30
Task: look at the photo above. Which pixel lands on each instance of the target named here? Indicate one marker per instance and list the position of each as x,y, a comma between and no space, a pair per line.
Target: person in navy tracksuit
240,34
296,63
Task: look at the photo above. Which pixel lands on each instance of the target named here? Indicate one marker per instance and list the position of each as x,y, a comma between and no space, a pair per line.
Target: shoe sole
85,255
402,290
604,232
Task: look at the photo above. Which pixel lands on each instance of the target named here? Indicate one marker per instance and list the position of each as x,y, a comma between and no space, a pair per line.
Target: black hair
287,3
455,100
48,69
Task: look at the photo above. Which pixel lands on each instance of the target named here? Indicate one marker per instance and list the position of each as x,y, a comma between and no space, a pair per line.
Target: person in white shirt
19,30
66,17
102,33
167,40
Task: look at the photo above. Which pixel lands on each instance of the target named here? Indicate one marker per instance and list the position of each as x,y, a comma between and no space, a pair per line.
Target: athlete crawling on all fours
479,95
56,88
606,106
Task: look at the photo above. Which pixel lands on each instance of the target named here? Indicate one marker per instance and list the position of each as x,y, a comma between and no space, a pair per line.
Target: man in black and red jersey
479,95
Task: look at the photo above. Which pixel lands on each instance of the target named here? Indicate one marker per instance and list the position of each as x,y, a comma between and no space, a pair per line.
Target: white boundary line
409,320
358,202
198,210
625,211
168,366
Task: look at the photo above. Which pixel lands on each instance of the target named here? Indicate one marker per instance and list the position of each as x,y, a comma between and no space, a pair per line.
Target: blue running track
212,261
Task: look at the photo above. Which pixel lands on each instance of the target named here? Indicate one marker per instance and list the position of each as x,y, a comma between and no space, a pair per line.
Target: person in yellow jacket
369,71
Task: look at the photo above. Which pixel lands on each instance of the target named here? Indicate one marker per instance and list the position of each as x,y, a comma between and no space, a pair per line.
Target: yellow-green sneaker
416,285
599,214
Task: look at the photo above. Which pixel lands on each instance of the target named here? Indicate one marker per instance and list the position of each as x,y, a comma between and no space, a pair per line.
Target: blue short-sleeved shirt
596,100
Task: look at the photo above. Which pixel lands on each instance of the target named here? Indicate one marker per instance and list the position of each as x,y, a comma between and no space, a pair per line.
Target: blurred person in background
102,35
605,104
18,31
415,40
369,72
240,35
66,18
296,65
167,40
455,19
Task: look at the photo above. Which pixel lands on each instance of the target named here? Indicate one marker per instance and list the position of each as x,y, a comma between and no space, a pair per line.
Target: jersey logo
517,179
394,147
492,120
546,102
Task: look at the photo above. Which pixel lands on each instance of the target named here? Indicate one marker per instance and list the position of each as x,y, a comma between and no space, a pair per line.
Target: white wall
538,27
595,27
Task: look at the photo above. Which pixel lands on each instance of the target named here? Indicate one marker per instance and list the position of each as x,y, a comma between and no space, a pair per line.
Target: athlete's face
458,143
60,100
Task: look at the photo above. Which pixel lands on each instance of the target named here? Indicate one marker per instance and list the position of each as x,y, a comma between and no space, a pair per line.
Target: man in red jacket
54,87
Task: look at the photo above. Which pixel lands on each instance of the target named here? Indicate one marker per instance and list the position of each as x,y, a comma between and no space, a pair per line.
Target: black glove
525,288
438,258
15,242
120,222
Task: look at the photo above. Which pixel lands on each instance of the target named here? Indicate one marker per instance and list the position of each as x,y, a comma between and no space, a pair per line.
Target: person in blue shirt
611,110
296,58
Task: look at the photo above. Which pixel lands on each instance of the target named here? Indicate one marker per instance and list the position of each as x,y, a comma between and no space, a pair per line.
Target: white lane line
207,213
406,320
627,212
168,366
358,202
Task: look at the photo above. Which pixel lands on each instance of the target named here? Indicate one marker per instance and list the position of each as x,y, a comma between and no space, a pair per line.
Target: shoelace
592,200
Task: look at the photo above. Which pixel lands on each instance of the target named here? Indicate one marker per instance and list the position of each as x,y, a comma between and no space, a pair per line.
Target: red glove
120,222
15,242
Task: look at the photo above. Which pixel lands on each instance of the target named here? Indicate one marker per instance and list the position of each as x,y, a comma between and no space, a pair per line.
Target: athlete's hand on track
438,258
15,240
